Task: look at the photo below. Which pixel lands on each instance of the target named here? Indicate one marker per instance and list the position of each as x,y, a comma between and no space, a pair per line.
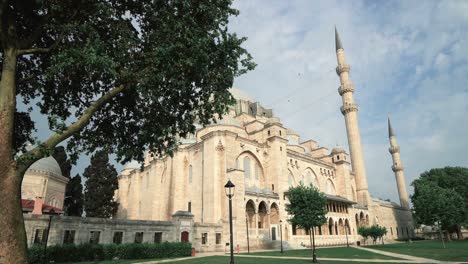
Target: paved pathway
402,258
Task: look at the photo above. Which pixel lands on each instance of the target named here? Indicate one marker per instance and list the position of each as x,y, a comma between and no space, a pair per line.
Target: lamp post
281,235
346,232
229,188
247,224
314,253
51,212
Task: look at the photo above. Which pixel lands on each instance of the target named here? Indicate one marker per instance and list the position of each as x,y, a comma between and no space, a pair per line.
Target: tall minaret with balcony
349,111
397,167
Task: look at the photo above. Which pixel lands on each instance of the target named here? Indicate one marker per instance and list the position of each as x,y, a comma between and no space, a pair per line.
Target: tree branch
32,50
36,153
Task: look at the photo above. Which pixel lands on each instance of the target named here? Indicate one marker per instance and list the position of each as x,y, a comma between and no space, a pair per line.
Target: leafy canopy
433,204
133,75
307,206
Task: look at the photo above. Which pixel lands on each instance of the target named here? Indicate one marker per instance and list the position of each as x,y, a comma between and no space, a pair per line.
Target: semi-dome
241,95
48,166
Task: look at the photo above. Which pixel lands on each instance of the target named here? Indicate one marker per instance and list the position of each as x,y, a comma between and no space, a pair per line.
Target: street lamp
229,188
346,232
51,212
281,235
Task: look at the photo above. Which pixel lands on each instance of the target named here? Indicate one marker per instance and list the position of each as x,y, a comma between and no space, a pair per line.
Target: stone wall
83,229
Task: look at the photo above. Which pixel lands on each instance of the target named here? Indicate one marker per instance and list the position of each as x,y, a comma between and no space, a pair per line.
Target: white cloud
393,48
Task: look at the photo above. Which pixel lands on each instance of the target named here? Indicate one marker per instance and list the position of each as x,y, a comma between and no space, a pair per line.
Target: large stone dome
48,166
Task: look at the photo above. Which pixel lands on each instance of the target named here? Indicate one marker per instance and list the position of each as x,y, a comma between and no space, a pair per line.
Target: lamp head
229,188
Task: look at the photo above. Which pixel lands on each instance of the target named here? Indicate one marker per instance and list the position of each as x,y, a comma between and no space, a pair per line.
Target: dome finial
338,40
390,129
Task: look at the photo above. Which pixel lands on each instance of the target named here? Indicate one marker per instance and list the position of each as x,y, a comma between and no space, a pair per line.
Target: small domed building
43,183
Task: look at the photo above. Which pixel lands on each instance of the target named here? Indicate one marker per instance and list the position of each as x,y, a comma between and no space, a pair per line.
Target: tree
123,76
101,183
364,232
454,179
307,206
377,232
434,205
74,197
60,155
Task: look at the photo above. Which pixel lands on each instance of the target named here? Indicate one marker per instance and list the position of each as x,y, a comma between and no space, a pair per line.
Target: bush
96,252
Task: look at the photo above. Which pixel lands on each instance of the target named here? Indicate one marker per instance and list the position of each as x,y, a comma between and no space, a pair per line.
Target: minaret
397,167
349,111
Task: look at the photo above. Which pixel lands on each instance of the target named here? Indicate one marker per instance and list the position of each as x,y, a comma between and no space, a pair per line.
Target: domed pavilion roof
48,166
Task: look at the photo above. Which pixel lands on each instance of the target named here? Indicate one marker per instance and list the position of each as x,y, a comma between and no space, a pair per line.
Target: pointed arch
253,169
262,215
330,188
274,214
250,213
311,177
330,226
347,227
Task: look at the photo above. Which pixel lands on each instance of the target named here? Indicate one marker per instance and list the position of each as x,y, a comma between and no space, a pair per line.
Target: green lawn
335,252
455,251
245,260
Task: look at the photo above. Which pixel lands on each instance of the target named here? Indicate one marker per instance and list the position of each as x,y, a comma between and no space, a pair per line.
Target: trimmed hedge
95,252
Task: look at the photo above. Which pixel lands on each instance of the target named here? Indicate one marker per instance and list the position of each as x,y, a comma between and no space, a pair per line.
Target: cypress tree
61,157
74,197
101,183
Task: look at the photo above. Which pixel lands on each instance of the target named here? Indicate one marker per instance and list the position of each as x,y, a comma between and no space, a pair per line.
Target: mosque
251,147
182,198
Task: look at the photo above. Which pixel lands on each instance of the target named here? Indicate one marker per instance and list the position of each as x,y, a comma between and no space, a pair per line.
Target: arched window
291,180
309,178
247,167
330,188
190,174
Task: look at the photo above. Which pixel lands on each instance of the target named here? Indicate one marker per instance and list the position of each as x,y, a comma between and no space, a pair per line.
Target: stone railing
394,149
349,107
342,68
346,88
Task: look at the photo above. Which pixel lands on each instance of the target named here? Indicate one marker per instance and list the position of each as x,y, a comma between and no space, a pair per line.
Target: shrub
96,252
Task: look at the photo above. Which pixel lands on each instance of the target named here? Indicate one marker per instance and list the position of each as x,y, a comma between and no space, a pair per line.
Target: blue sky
408,60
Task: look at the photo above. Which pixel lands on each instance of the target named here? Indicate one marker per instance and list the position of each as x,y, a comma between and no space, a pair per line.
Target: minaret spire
390,129
397,168
349,111
338,44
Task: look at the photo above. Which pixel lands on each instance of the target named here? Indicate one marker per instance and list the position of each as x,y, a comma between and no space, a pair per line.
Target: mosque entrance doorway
184,236
273,233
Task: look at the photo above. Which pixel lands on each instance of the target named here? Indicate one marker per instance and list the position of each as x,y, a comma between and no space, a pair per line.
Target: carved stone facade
263,159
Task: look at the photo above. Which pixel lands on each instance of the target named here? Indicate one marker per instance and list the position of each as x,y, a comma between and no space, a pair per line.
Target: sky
407,62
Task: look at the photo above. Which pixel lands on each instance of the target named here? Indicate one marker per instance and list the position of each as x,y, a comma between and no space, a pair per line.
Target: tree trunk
13,246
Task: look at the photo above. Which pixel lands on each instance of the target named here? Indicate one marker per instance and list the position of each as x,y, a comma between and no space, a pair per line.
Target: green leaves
171,56
375,231
307,206
433,204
